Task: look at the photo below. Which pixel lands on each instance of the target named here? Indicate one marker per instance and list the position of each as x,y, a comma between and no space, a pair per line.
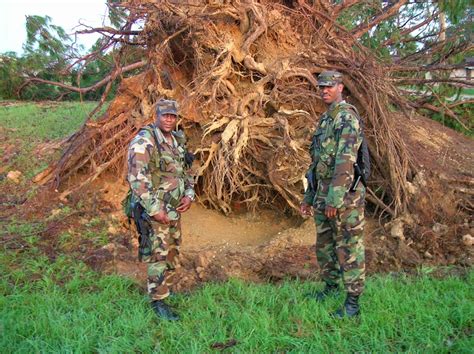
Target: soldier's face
167,122
331,94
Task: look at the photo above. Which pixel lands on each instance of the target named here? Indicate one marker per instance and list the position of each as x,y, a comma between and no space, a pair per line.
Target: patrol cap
329,78
166,107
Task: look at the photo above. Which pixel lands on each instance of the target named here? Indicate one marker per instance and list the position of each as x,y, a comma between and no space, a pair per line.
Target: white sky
64,13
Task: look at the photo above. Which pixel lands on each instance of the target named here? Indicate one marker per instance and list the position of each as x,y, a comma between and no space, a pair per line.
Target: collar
161,137
333,106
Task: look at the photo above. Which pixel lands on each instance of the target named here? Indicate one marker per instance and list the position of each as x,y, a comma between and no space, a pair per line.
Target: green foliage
442,96
49,54
10,74
47,39
357,14
117,15
455,9
391,42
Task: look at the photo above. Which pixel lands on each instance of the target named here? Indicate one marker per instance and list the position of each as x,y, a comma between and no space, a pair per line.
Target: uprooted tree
244,75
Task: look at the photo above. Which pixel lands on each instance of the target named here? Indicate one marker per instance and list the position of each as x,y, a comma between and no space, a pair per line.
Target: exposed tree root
244,74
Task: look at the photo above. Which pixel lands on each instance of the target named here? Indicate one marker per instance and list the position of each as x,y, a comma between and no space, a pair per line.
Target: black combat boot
163,311
350,309
329,290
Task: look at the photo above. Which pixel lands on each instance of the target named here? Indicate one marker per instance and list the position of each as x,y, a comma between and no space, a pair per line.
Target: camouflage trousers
340,248
163,259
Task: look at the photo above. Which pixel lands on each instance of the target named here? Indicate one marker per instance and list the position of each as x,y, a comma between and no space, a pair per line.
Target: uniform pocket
355,199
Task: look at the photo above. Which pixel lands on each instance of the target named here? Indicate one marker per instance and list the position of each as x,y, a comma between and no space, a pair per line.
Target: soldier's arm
309,193
345,157
139,153
189,185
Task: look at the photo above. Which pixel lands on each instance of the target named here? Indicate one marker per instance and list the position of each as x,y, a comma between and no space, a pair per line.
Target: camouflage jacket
333,152
158,178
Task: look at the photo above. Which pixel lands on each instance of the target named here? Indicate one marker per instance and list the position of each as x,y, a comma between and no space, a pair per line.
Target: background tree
52,66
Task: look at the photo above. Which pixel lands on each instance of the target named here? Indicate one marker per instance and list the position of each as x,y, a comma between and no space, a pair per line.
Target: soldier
335,200
160,182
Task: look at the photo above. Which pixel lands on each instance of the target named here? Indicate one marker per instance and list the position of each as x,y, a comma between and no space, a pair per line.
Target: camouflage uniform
160,180
339,245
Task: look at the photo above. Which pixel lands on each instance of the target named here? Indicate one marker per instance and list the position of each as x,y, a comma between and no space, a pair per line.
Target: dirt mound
271,247
439,149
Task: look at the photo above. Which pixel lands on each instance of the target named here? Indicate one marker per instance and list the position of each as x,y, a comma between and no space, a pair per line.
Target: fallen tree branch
97,85
383,15
445,111
391,41
426,67
344,6
458,103
109,30
371,197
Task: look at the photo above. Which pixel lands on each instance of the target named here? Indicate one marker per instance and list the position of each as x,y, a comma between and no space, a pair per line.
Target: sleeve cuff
333,201
190,193
308,199
152,208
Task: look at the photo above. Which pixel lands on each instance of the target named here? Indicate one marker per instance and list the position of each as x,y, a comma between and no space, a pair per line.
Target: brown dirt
438,149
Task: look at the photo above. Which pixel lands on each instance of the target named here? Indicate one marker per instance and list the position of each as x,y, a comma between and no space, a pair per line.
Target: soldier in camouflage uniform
159,179
338,211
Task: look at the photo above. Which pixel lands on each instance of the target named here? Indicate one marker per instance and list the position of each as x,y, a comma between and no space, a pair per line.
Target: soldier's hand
161,217
306,210
184,205
330,212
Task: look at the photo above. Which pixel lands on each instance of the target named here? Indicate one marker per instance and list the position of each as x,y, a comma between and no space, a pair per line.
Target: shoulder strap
363,156
180,138
151,128
347,106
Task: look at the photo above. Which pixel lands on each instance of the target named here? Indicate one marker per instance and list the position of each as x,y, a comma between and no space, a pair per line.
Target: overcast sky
64,13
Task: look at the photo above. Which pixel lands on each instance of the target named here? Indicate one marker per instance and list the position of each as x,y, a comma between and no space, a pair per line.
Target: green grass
37,122
58,304
29,124
468,91
62,306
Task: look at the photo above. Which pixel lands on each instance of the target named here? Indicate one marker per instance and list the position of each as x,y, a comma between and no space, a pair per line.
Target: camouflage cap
329,78
166,107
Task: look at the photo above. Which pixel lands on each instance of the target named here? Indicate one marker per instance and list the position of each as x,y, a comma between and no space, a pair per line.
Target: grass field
27,125
61,306
57,304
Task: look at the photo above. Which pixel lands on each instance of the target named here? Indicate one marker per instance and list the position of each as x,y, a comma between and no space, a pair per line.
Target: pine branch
383,15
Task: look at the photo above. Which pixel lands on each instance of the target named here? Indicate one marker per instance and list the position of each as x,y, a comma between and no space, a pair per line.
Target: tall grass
62,306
